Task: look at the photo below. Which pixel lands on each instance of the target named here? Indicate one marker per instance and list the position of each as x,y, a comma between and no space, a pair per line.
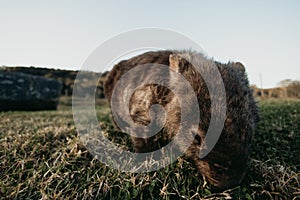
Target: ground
41,157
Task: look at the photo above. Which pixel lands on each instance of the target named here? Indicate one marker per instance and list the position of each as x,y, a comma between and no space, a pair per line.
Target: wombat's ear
174,61
239,66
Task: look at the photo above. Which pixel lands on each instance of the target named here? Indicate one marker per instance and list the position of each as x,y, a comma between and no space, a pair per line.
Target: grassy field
41,157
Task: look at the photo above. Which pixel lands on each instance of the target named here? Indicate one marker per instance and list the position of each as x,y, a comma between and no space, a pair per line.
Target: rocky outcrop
292,91
66,77
19,91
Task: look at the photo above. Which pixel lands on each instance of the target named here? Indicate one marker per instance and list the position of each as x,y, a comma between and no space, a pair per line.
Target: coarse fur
226,164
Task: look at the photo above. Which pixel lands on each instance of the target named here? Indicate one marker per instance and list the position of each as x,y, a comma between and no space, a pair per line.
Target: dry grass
41,157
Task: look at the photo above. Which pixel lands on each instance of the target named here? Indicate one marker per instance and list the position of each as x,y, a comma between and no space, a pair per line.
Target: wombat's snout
157,118
224,175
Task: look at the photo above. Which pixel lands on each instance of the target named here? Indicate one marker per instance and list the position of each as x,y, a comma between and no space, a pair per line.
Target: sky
263,35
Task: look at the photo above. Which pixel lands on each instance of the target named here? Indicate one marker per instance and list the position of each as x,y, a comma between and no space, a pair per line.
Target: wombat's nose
158,117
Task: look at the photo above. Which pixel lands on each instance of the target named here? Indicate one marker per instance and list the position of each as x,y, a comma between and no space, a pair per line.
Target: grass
41,157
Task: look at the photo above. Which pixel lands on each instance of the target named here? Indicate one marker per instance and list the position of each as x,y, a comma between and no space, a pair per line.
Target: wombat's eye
198,139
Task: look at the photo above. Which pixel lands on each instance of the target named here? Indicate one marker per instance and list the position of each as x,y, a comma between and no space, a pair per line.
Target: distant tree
285,83
292,87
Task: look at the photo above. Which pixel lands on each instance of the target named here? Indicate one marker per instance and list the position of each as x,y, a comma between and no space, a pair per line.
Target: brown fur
226,164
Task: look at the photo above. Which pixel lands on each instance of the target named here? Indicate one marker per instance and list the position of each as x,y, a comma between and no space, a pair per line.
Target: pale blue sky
264,35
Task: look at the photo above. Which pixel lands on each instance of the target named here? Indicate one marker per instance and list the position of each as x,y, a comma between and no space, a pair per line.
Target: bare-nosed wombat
226,164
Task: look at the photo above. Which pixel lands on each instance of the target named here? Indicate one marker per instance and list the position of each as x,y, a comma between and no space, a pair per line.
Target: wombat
226,164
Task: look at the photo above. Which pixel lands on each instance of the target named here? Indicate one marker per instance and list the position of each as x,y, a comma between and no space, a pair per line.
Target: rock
19,91
66,77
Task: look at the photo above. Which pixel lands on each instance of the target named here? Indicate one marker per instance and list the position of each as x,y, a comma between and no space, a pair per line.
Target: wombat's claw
204,181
